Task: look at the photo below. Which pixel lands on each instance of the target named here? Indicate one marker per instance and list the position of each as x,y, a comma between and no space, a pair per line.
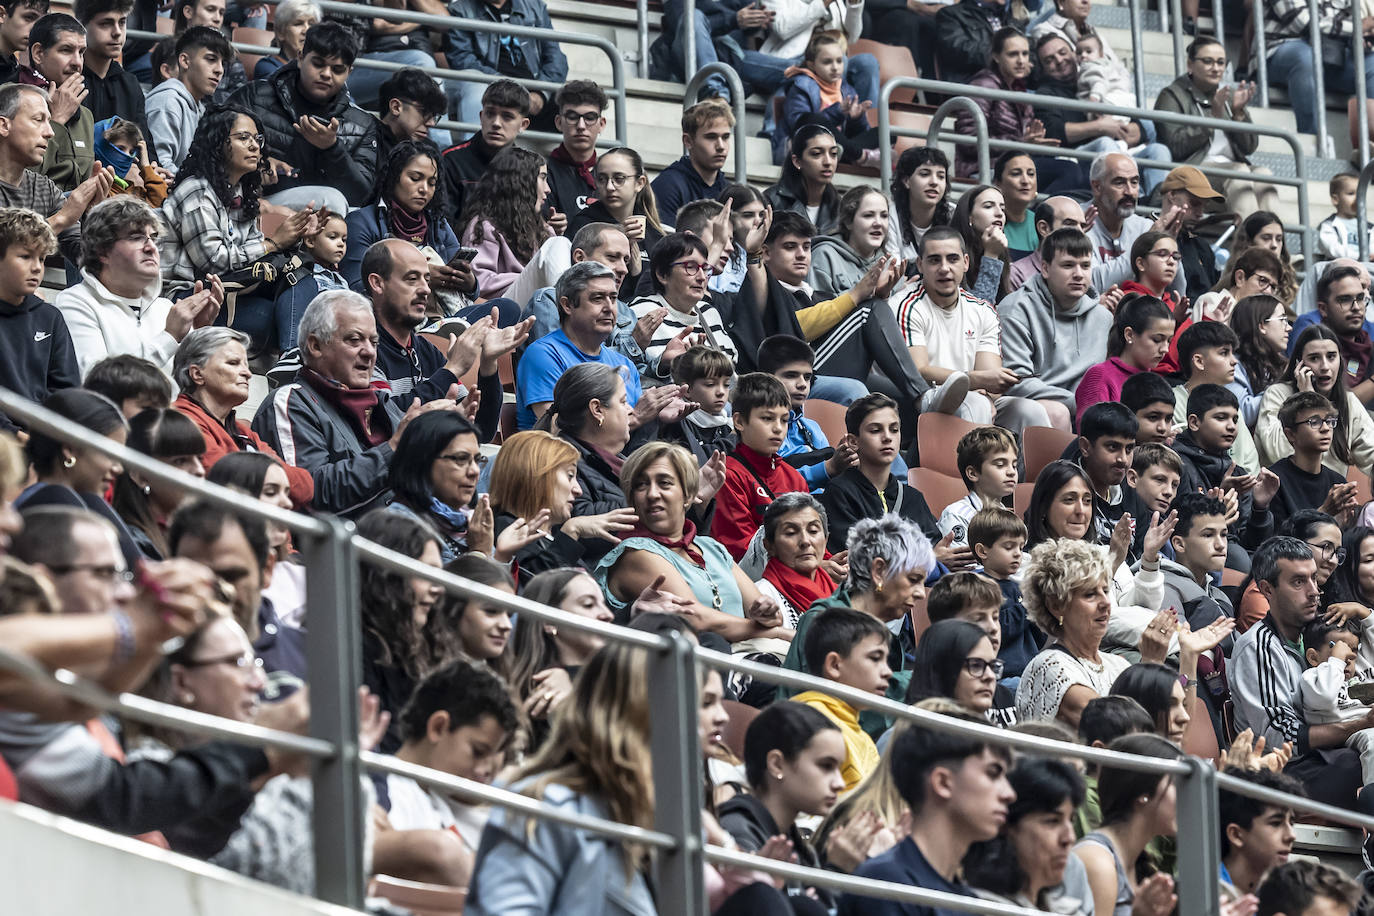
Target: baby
1331,651
1101,77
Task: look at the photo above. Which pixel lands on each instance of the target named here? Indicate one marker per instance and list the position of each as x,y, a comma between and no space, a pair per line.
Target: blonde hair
599,744
703,113
822,38
20,226
684,465
1057,568
14,467
522,474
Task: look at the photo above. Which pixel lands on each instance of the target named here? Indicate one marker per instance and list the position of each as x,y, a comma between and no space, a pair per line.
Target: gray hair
891,538
574,282
588,238
321,318
1099,166
289,11
784,506
107,221
196,350
11,93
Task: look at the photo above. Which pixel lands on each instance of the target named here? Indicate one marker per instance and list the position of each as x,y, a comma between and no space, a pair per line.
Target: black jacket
555,552
751,825
788,195
350,165
419,373
117,94
462,167
850,498
963,34
36,352
390,685
568,193
1199,266
1203,471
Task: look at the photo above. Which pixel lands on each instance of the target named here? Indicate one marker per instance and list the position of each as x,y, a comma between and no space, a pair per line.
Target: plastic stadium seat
1040,445
937,434
893,60
420,898
165,26
829,416
1020,498
939,489
508,426
244,35
1231,576
1361,481
741,714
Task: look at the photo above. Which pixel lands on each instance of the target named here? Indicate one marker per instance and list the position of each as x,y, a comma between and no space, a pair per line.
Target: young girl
1140,335
1154,261
808,172
920,196
517,251
840,260
1265,229
981,218
1261,323
1014,175
482,631
625,199
816,93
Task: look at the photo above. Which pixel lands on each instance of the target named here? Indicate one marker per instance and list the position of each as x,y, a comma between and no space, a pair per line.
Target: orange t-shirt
1253,608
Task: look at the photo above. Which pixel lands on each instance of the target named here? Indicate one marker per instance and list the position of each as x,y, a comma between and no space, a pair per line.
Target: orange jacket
220,442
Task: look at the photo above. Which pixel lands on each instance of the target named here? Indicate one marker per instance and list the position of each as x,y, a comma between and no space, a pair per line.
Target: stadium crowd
557,378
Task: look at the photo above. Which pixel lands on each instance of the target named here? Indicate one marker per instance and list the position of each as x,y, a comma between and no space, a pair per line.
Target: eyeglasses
140,238
615,181
244,137
1347,301
1265,284
977,667
1282,319
587,117
1329,551
1169,257
464,460
691,267
109,573
245,661
1210,61
430,119
1319,422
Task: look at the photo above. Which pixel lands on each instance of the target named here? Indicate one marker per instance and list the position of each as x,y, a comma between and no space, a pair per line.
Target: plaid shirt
1284,19
202,236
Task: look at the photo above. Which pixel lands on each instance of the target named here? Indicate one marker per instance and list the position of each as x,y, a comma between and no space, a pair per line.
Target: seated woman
854,242
290,21
681,268
794,534
660,482
1262,325
433,479
517,251
1163,693
211,217
807,182
1028,864
211,371
1315,365
536,472
920,197
981,218
145,504
625,199
955,659
1141,330
1015,176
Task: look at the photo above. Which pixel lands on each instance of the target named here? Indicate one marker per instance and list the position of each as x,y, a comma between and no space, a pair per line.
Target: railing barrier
741,131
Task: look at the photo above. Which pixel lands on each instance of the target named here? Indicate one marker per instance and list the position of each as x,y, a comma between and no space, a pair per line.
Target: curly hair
507,197
1057,568
395,164
387,601
206,158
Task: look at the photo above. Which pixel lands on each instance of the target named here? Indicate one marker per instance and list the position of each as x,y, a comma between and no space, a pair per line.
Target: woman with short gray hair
293,18
799,571
118,309
211,369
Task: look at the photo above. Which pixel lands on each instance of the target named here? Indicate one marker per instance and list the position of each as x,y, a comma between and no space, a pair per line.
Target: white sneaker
950,395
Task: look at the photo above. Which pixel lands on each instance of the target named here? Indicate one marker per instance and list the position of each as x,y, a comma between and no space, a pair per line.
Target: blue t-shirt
902,864
544,363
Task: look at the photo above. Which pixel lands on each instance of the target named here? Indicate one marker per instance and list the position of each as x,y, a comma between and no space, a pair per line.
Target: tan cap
1187,178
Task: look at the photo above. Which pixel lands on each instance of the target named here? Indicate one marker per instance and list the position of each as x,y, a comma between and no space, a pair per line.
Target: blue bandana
110,155
456,518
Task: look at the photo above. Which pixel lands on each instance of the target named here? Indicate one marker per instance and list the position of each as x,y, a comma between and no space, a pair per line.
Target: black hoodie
36,353
1204,470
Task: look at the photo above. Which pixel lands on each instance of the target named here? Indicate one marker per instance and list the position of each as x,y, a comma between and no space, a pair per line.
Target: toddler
316,270
119,145
1331,650
1102,78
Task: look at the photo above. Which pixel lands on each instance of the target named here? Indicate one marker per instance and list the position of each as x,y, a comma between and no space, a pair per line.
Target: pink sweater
497,266
1101,383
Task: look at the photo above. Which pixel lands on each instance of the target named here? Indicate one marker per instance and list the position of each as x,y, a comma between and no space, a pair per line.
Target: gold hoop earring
69,462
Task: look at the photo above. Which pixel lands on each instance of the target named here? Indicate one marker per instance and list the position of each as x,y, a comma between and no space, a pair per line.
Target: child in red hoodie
754,474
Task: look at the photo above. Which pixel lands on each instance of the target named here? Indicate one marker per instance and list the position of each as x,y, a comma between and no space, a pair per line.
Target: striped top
706,319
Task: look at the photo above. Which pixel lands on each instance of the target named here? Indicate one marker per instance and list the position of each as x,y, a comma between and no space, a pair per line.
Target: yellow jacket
861,754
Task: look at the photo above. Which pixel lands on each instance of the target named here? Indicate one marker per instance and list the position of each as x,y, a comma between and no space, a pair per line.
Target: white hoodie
103,324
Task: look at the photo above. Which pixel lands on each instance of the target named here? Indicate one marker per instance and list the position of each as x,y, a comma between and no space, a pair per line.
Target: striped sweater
1265,673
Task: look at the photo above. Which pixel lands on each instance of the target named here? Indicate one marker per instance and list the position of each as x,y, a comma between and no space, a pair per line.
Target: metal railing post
980,132
334,656
1219,21
1176,30
740,134
1309,247
1362,211
678,779
642,29
689,40
1361,89
1261,54
1314,39
1138,48
1198,831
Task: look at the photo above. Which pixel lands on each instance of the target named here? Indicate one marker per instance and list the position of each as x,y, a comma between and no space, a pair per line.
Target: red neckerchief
689,534
584,169
800,591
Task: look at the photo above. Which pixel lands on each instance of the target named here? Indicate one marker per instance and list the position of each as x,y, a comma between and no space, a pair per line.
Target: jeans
838,389
364,82
1291,64
1149,177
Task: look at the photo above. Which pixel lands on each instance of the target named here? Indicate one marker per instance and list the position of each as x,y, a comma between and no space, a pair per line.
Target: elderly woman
533,472
681,268
117,307
664,551
794,535
211,370
290,22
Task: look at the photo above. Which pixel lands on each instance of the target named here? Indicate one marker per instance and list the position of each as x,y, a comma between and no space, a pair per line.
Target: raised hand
1154,642
1158,534
372,720
711,478
1123,535
953,557
645,327
465,349
608,526
753,239
1197,642
679,344
519,535
481,533
849,846
837,565
1111,298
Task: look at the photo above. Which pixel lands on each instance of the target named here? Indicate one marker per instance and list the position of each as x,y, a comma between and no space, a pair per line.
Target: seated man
1115,180
322,146
1341,301
57,44
1050,214
410,104
210,14
503,116
572,164
111,90
1292,59
954,340
134,383
1187,191
521,58
1265,675
963,36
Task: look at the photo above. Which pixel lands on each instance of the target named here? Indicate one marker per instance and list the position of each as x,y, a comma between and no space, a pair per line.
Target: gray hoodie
1049,348
835,266
172,119
1199,605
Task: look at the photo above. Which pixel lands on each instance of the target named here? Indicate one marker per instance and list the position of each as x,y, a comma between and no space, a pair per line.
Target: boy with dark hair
504,116
1256,835
1331,649
1207,355
175,106
187,14
706,372
1105,445
1103,720
848,647
579,117
1306,888
1152,400
111,91
977,599
132,382
707,130
987,459
997,536
16,19
806,447
410,103
957,790
57,44
754,474
1309,422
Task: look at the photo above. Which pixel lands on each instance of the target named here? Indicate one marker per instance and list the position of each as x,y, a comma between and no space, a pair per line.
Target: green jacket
873,722
71,151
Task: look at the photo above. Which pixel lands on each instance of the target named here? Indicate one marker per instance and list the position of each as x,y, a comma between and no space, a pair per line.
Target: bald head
1058,213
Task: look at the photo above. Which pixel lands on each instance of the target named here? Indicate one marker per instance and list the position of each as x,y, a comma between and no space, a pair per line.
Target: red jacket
742,498
220,442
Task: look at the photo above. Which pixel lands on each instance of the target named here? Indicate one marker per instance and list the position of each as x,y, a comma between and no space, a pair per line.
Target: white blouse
1050,674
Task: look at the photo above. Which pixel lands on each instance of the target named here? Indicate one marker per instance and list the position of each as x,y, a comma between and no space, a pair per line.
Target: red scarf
689,535
584,169
800,591
360,406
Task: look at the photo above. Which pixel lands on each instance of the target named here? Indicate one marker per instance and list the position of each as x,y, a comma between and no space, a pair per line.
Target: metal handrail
980,132
741,134
1361,90
1362,210
886,130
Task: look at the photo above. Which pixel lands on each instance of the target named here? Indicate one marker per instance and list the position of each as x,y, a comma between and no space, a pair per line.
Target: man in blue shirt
958,793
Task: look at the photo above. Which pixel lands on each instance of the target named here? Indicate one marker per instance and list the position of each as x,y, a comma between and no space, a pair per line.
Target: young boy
175,106
132,382
36,353
112,90
706,133
754,474
997,537
706,372
1154,475
505,115
987,463
1256,836
806,447
1331,650
1337,235
317,272
1309,421
848,647
1105,446
976,599
1152,401
459,720
16,19
119,145
1207,356
958,794
572,164
1200,545
1103,720
1306,888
